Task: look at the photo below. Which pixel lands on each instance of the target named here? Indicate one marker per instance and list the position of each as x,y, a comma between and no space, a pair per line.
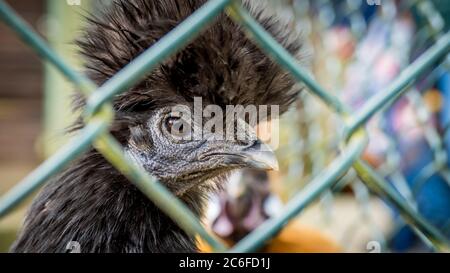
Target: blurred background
355,48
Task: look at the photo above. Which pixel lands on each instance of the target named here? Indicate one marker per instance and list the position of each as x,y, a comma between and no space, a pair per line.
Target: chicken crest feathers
222,65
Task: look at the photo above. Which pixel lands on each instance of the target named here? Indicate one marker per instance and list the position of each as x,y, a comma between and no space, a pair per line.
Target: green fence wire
99,115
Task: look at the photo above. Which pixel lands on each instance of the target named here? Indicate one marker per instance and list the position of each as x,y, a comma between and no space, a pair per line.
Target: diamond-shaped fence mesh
343,137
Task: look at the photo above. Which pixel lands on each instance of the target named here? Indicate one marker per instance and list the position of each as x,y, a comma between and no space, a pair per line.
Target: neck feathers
93,204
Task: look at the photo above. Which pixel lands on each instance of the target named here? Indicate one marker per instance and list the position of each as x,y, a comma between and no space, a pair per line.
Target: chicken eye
177,127
172,122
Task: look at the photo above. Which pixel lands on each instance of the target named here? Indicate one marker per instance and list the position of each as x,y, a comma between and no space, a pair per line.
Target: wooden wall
21,109
21,90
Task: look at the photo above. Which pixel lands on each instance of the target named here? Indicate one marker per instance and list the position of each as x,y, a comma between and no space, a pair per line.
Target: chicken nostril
255,144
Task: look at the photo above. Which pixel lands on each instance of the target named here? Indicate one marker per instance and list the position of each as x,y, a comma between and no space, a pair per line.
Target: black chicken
91,202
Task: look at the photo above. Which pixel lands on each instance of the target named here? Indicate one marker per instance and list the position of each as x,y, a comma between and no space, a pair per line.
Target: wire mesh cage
371,122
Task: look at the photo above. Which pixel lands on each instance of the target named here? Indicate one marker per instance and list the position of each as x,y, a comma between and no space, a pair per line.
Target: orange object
300,238
294,238
433,100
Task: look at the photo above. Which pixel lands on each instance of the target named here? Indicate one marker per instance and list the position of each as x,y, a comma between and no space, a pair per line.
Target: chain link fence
348,164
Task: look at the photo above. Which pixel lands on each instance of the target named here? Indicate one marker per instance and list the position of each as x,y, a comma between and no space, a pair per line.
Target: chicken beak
259,156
